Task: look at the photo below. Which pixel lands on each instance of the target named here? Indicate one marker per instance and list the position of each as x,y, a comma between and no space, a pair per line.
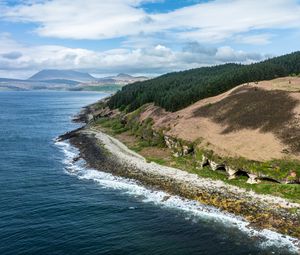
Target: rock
215,166
69,135
165,198
187,149
178,149
231,172
177,154
232,177
292,178
169,142
204,162
252,179
89,117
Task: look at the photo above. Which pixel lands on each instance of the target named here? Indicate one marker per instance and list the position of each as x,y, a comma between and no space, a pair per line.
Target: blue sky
142,36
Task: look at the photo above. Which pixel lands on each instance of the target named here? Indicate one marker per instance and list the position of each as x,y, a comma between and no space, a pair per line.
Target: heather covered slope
251,129
256,121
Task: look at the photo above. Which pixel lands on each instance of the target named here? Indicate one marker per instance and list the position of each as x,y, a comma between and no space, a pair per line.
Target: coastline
107,154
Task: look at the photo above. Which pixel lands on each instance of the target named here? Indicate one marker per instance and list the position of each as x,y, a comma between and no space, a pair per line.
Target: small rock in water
165,198
131,208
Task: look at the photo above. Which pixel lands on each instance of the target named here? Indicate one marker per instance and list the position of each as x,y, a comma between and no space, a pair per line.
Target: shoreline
107,154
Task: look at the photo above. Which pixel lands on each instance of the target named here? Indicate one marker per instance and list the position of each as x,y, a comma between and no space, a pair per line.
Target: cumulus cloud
81,19
217,20
227,54
212,21
154,60
12,55
189,37
255,39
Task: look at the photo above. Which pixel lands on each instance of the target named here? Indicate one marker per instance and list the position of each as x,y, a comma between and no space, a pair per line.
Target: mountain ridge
55,74
55,79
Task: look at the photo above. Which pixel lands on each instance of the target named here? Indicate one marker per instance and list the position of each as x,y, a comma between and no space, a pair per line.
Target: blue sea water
48,205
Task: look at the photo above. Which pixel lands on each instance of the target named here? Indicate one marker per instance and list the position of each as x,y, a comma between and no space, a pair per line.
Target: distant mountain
9,80
54,84
52,74
120,79
123,76
69,80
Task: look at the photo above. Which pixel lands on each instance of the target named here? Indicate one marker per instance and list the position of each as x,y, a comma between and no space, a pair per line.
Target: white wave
192,209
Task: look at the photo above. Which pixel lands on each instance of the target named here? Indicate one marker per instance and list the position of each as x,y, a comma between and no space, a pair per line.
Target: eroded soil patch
254,108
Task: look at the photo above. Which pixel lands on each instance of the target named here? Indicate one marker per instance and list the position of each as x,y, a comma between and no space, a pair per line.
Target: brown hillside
257,121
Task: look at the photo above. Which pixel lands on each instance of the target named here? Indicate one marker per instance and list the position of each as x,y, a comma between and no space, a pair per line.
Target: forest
174,91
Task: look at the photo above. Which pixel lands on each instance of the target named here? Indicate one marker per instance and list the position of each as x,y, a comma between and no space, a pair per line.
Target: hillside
256,121
52,74
245,139
251,130
176,91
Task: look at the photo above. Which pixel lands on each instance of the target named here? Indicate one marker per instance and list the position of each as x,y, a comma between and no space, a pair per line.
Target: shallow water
48,205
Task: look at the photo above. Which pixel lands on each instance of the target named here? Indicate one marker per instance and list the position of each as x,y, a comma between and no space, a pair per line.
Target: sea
51,205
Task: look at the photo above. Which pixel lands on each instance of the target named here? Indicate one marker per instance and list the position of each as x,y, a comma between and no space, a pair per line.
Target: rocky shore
105,153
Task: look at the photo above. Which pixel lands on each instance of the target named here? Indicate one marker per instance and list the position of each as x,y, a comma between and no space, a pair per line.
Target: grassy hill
175,91
249,134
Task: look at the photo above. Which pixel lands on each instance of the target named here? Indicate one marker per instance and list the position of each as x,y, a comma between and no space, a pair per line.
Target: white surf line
117,148
267,238
127,156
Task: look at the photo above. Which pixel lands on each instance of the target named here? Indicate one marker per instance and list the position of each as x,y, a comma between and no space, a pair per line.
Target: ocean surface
49,205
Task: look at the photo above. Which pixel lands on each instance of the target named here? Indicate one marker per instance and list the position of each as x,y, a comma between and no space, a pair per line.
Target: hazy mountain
52,74
120,79
123,76
69,80
9,80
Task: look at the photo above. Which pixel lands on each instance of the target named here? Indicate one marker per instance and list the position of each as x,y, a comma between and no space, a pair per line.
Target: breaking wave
190,209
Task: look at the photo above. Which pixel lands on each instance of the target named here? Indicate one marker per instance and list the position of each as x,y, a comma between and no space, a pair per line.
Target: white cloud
81,19
255,39
218,20
158,59
213,21
227,54
12,55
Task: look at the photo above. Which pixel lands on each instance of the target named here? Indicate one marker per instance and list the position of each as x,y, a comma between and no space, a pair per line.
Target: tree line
174,91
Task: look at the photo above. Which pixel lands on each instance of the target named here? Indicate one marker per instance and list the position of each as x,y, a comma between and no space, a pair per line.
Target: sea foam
191,209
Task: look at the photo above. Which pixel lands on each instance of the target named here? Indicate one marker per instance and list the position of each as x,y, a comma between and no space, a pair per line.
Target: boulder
231,172
215,166
204,162
253,179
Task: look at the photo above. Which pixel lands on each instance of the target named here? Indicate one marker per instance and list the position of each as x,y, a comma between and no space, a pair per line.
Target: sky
142,37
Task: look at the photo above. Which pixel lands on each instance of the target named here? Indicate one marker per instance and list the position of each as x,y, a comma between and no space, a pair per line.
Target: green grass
187,163
139,146
278,169
114,125
190,163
